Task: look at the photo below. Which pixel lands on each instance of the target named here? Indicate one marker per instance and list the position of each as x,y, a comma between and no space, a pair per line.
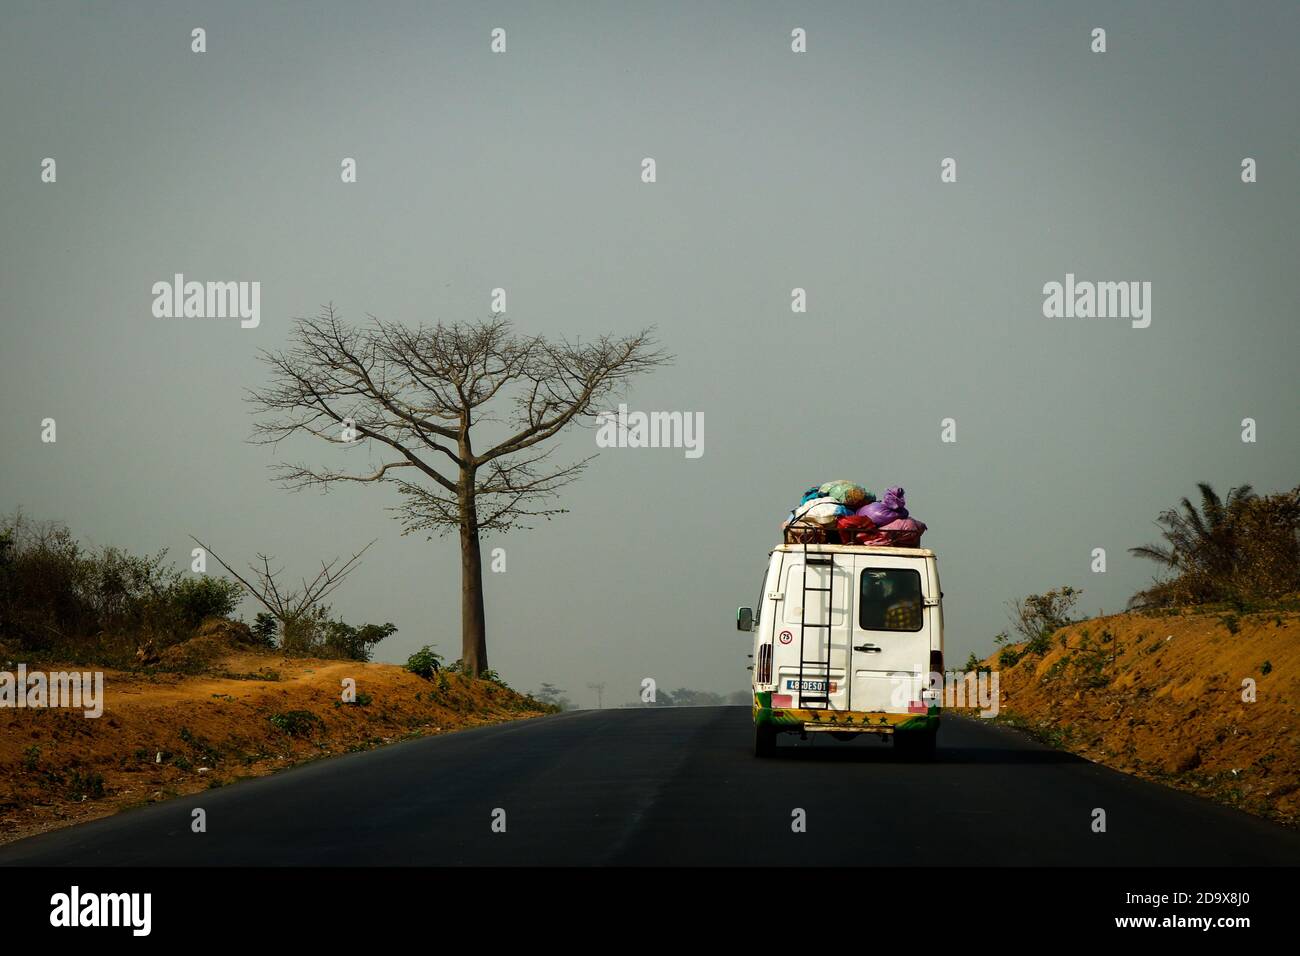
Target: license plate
809,685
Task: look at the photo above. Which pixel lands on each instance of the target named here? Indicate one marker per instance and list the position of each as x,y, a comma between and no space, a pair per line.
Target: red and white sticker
786,637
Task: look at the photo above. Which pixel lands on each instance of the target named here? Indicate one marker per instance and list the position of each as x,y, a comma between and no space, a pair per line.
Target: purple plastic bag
879,513
887,509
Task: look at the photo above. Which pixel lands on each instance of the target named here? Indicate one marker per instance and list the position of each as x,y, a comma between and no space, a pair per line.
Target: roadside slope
248,714
1161,696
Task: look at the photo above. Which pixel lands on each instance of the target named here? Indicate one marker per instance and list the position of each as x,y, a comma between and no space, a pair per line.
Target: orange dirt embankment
248,713
1161,696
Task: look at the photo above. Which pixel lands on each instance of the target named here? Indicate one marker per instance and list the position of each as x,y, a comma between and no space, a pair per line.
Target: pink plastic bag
905,532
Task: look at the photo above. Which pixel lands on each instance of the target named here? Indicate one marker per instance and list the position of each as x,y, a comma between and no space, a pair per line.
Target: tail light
764,673
933,695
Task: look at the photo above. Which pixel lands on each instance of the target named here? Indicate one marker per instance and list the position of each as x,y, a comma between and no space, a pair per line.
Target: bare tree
417,395
294,606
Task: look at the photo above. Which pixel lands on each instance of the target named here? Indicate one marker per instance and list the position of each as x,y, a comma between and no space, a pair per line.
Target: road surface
677,786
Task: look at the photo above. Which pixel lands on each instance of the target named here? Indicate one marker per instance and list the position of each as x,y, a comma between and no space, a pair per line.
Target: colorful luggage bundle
843,512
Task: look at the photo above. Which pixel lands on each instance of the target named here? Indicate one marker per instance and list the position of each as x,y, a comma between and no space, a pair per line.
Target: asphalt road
677,786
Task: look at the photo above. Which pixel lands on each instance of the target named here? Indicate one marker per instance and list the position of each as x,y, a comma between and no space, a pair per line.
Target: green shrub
313,634
60,598
265,627
54,594
88,786
1009,655
424,662
300,636
1090,663
198,598
297,723
1039,616
352,643
265,673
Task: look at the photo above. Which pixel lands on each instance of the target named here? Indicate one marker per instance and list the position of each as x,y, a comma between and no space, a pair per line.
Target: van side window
890,600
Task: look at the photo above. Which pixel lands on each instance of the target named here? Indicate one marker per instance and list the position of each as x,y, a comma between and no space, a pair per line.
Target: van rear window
890,600
818,577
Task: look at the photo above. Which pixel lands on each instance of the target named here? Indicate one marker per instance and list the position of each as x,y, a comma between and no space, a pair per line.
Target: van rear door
825,650
891,626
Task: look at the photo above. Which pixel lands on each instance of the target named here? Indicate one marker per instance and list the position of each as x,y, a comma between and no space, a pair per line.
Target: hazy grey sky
775,170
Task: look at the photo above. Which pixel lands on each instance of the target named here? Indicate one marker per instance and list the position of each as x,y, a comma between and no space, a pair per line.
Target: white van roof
855,549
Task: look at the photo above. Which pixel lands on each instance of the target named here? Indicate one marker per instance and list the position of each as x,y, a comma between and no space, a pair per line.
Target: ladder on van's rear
818,699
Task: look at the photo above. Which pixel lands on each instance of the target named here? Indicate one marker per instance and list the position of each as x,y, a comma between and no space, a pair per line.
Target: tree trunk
473,623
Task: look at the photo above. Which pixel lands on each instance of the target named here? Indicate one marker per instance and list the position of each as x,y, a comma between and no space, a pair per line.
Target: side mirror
745,619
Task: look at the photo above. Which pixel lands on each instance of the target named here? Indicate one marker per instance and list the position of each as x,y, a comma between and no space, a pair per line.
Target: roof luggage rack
808,532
